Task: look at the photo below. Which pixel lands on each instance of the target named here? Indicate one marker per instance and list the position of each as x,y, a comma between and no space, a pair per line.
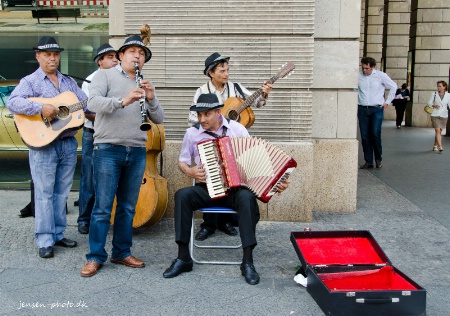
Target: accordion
244,161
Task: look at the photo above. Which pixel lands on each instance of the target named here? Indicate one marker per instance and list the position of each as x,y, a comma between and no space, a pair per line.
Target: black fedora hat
102,50
136,40
48,43
213,60
206,102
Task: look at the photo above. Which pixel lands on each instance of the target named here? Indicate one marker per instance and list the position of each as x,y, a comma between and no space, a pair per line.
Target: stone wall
323,94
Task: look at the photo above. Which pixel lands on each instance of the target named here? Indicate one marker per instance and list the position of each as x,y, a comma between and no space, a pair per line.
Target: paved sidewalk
412,237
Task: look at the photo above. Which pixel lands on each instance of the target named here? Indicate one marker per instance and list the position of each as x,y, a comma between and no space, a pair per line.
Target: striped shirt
38,85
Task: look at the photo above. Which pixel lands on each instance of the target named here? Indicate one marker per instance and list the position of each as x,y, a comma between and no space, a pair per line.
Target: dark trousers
189,199
370,120
400,110
211,221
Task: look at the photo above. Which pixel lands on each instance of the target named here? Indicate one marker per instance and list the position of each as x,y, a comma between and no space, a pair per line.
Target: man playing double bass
217,69
53,166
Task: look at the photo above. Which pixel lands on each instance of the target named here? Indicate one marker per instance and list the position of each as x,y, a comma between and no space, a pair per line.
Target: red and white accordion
244,161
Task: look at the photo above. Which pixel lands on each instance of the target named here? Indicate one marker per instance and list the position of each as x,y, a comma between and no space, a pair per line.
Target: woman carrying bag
440,102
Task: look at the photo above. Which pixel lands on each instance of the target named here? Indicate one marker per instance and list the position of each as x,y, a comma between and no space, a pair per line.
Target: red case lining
338,251
384,278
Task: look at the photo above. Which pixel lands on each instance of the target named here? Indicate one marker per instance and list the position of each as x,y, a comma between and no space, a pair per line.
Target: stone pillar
396,39
395,44
373,34
430,44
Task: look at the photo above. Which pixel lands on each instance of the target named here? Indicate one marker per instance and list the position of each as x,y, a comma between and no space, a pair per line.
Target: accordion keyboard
212,165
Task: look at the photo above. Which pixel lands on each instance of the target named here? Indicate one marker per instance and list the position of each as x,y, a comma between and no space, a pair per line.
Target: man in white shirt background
372,84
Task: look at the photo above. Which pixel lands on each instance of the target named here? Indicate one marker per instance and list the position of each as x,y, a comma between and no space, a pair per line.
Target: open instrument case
348,273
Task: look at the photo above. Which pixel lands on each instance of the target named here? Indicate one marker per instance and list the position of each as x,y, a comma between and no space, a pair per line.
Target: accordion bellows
244,161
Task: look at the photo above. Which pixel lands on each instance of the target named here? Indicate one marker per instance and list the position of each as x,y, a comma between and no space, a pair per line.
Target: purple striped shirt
38,85
194,135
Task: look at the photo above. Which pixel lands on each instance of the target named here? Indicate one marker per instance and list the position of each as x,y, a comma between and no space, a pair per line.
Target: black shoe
178,266
228,229
249,272
66,243
378,164
203,234
366,166
46,252
83,228
26,211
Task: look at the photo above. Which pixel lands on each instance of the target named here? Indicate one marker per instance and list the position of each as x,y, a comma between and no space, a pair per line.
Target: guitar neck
255,95
77,106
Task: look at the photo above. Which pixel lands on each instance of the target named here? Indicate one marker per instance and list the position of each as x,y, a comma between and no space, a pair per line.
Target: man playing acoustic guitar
217,69
52,166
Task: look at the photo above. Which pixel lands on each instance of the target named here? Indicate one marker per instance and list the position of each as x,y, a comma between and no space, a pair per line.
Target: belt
369,106
87,129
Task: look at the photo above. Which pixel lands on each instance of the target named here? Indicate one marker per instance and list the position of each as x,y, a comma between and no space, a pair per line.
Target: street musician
187,200
119,151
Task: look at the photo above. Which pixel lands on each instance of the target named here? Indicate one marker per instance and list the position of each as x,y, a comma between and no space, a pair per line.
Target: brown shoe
90,268
130,261
378,164
366,166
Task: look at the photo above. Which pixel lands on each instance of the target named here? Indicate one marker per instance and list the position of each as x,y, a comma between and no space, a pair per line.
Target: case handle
377,300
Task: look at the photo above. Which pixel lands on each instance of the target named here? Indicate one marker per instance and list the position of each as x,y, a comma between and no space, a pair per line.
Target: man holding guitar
217,69
53,165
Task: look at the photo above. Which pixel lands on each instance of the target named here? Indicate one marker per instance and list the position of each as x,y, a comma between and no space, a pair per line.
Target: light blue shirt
371,88
193,136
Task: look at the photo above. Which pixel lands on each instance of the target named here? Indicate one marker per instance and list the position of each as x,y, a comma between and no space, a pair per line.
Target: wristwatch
120,102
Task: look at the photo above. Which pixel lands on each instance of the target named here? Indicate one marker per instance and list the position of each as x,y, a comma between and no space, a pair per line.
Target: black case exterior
358,303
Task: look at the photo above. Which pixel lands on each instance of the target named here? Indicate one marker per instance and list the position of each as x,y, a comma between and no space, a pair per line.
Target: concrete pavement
394,204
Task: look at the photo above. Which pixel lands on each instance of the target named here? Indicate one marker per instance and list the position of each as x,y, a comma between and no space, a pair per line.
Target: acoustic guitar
239,110
37,132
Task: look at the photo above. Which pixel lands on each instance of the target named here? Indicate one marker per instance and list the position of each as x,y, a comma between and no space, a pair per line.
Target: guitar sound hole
63,112
233,115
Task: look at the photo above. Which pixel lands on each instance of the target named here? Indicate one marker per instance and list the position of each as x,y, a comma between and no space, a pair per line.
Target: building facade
311,114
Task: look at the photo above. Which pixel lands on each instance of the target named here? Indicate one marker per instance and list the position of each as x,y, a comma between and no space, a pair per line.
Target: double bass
153,195
152,201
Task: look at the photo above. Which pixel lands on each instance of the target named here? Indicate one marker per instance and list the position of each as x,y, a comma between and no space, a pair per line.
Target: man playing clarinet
116,95
212,125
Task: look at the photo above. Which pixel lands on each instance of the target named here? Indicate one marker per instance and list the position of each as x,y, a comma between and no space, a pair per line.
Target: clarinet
145,125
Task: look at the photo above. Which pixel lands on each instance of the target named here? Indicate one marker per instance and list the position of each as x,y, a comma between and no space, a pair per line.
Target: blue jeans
52,170
86,195
118,172
370,120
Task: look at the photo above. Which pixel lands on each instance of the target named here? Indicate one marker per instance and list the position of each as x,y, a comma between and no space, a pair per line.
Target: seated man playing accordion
187,200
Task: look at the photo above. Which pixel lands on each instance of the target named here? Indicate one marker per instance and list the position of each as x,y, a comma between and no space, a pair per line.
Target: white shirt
85,88
371,88
444,104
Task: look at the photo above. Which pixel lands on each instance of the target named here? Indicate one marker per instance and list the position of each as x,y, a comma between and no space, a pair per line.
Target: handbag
428,108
